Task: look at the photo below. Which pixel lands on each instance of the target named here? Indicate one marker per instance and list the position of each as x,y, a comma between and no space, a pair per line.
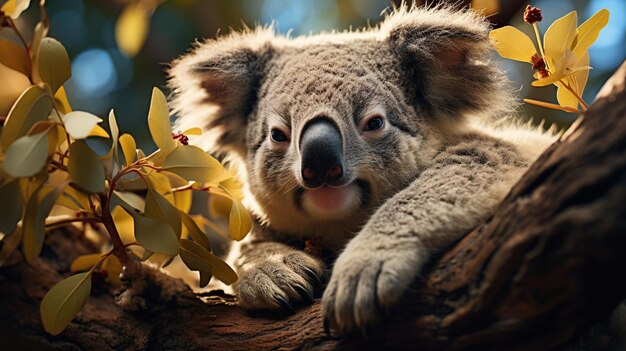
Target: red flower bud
532,15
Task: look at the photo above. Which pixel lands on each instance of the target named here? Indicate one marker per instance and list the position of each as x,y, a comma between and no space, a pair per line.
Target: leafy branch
47,165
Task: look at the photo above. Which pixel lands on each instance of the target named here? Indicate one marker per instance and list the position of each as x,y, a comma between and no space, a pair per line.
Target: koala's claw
280,283
363,286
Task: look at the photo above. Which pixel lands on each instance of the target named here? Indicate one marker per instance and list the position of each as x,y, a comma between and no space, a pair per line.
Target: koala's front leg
448,199
274,276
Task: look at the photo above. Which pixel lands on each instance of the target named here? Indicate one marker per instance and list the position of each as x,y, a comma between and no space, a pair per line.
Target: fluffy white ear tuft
214,87
446,54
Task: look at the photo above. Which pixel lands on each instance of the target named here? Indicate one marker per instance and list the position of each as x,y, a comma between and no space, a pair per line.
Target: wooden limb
547,265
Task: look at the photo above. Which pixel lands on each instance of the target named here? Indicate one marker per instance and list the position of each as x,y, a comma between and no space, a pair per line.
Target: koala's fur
437,169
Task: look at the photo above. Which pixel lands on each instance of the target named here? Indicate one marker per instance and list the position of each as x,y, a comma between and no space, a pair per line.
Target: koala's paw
365,284
280,283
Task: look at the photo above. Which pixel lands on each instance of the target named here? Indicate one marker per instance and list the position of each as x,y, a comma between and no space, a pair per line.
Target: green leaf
239,223
85,168
198,258
159,123
63,302
192,163
159,207
9,244
194,230
27,155
38,208
128,148
32,106
152,233
53,64
79,125
10,206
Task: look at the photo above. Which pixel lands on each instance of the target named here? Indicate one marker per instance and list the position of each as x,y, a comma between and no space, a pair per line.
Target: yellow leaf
98,131
160,183
10,205
14,84
113,268
84,262
38,208
588,32
27,155
73,199
577,82
183,199
559,36
79,124
200,259
555,77
41,31
513,44
52,65
219,204
14,8
62,101
192,163
112,158
124,224
128,148
63,302
32,106
159,123
240,222
14,57
132,27
85,168
193,131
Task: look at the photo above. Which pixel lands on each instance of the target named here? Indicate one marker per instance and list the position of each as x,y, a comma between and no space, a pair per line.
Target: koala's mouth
333,202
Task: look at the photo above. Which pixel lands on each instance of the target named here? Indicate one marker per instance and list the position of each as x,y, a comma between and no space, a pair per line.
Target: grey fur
433,173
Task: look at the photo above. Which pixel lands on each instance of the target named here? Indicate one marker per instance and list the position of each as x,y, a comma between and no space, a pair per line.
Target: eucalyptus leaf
10,206
63,302
85,168
152,233
38,208
198,258
192,163
84,262
27,155
159,207
240,222
159,123
32,106
53,63
194,230
79,124
10,243
128,148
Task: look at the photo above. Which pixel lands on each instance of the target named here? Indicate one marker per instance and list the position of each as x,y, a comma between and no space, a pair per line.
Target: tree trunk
546,266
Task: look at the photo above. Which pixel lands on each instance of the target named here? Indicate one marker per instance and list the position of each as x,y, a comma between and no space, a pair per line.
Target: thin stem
64,221
553,106
119,249
59,165
569,88
543,55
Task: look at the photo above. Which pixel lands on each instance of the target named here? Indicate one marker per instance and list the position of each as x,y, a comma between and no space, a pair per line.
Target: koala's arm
273,275
461,187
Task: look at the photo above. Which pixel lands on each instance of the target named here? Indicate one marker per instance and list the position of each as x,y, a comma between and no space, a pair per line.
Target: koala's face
332,134
329,126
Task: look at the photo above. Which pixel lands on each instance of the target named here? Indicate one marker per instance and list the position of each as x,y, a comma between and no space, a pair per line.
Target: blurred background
105,76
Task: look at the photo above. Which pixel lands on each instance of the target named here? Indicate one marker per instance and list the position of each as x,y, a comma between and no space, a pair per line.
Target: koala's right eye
278,136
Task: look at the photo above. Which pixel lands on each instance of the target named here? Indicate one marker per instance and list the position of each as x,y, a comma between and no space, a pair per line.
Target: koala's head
330,125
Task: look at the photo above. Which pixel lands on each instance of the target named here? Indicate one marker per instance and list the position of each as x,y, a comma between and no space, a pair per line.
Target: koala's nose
322,153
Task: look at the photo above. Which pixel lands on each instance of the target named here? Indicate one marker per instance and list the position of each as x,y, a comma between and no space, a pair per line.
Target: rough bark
547,265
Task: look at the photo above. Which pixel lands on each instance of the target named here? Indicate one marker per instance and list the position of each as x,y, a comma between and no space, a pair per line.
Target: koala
365,151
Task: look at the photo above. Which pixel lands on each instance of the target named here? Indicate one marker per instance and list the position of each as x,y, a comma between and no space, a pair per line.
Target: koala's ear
214,87
445,53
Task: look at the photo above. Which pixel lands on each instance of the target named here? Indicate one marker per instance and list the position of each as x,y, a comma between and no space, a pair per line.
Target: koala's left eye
278,136
374,123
